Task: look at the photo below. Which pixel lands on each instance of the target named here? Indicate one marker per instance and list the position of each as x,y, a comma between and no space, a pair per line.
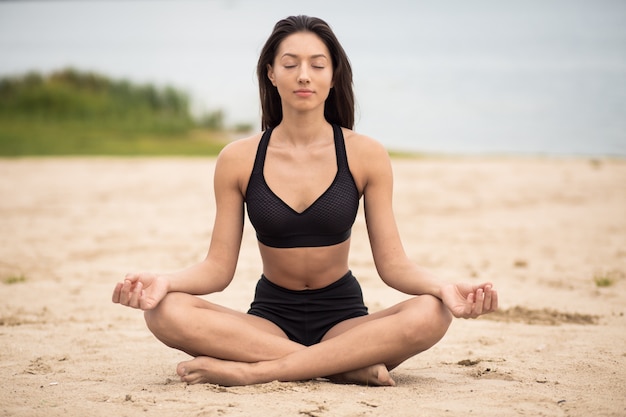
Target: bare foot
203,370
377,375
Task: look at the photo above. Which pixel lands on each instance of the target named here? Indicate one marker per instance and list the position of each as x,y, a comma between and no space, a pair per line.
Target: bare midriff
305,268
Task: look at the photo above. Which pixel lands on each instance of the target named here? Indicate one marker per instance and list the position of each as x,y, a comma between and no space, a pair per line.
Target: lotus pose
301,180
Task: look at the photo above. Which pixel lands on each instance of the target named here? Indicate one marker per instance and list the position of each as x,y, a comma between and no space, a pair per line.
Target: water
455,76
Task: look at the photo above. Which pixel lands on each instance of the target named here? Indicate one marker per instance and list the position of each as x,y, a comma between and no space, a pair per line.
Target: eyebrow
290,55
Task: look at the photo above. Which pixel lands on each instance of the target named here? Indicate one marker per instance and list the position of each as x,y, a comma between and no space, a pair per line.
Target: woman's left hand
469,301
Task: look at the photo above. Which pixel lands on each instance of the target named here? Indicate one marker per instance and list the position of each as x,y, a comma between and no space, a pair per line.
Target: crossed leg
234,348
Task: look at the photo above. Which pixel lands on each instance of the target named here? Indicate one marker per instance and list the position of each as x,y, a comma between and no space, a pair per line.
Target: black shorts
305,316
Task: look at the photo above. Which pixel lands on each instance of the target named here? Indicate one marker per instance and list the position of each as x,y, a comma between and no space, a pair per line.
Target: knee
429,319
165,315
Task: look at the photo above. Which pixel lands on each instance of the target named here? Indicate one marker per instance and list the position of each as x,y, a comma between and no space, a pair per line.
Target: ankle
261,373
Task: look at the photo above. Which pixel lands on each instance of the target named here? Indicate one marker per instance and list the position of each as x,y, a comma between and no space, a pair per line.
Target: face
302,71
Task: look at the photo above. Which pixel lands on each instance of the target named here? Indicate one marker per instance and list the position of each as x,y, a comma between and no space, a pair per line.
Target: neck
304,129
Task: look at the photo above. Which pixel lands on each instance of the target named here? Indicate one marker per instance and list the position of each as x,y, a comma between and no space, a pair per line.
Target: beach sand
549,233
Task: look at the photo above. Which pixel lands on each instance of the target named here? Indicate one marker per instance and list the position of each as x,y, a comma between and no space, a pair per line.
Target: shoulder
361,146
235,160
240,150
368,159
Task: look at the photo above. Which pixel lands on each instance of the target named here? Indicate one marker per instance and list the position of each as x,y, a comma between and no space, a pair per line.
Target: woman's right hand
141,290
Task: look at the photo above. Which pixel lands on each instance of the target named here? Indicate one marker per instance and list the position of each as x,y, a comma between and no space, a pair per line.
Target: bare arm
216,271
392,263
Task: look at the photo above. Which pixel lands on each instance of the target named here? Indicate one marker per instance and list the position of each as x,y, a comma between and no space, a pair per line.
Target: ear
270,74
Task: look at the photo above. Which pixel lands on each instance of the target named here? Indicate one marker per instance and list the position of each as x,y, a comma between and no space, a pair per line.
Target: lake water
451,76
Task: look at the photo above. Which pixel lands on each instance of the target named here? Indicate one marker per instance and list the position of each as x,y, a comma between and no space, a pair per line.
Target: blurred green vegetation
69,112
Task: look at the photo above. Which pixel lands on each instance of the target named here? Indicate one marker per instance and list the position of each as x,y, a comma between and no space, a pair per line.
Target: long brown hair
339,106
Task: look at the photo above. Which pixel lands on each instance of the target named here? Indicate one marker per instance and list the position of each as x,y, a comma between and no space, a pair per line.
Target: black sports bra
327,221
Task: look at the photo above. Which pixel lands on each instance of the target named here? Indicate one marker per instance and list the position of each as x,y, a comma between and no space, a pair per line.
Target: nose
303,76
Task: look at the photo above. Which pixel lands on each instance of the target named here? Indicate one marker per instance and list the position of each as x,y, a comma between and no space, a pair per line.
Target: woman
307,319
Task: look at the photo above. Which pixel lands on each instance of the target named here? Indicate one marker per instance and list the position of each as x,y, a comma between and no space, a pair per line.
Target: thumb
132,277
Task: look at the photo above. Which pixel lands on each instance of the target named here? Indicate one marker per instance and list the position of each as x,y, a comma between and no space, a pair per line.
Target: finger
494,300
488,299
126,293
471,300
135,295
478,305
116,293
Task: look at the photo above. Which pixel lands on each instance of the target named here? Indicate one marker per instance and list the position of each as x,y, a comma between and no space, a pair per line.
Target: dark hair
339,106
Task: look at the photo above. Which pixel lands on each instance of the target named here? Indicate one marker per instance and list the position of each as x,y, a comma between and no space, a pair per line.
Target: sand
550,233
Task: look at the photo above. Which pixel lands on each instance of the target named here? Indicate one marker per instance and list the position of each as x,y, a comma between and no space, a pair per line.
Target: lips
303,93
